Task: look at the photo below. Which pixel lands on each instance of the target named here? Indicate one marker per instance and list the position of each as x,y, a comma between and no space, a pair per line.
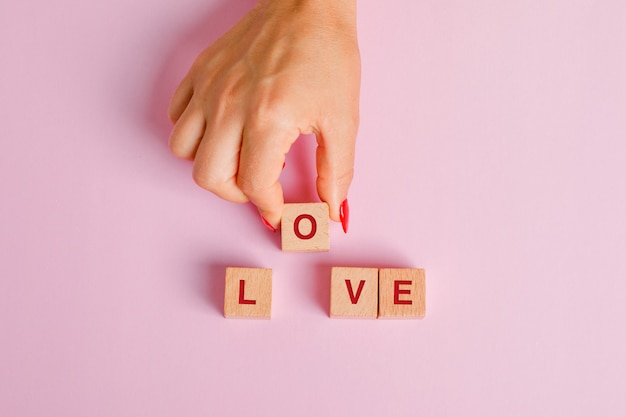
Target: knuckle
207,181
172,113
349,124
353,122
270,113
344,179
250,186
341,179
342,127
178,149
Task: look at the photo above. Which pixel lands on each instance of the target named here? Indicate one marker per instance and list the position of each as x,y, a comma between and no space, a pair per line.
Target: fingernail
344,215
284,164
267,224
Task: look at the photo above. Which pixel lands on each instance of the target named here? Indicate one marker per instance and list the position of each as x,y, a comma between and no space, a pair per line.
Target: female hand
289,67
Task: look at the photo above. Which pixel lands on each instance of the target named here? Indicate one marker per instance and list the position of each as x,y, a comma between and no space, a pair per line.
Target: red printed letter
397,291
355,298
242,297
296,226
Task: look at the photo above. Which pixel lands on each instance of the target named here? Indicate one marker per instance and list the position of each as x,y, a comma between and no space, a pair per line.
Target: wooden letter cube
354,292
402,293
248,293
304,228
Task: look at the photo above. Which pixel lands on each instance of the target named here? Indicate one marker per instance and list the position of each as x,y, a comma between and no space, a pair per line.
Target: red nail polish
267,224
344,215
284,164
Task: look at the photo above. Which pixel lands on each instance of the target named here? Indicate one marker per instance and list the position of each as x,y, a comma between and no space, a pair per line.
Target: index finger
262,157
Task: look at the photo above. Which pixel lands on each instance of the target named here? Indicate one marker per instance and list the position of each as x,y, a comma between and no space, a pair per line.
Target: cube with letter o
304,228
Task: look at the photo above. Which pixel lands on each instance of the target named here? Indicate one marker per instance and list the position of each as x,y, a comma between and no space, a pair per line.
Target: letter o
296,226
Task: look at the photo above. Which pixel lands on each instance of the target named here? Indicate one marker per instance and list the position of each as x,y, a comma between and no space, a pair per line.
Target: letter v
355,298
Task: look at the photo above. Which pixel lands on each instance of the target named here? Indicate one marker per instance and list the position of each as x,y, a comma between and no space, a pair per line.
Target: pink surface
492,153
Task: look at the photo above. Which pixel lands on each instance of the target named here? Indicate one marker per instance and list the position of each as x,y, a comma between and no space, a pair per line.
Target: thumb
335,167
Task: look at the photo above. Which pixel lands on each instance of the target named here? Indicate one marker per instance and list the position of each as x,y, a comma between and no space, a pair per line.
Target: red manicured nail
284,163
267,224
344,215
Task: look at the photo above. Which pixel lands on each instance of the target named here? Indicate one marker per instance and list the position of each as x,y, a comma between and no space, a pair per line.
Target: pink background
492,153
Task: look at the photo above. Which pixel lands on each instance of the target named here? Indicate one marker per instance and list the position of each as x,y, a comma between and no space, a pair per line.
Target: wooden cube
354,292
402,293
304,228
248,293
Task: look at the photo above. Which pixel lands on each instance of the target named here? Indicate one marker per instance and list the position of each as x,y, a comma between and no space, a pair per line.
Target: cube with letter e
402,293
